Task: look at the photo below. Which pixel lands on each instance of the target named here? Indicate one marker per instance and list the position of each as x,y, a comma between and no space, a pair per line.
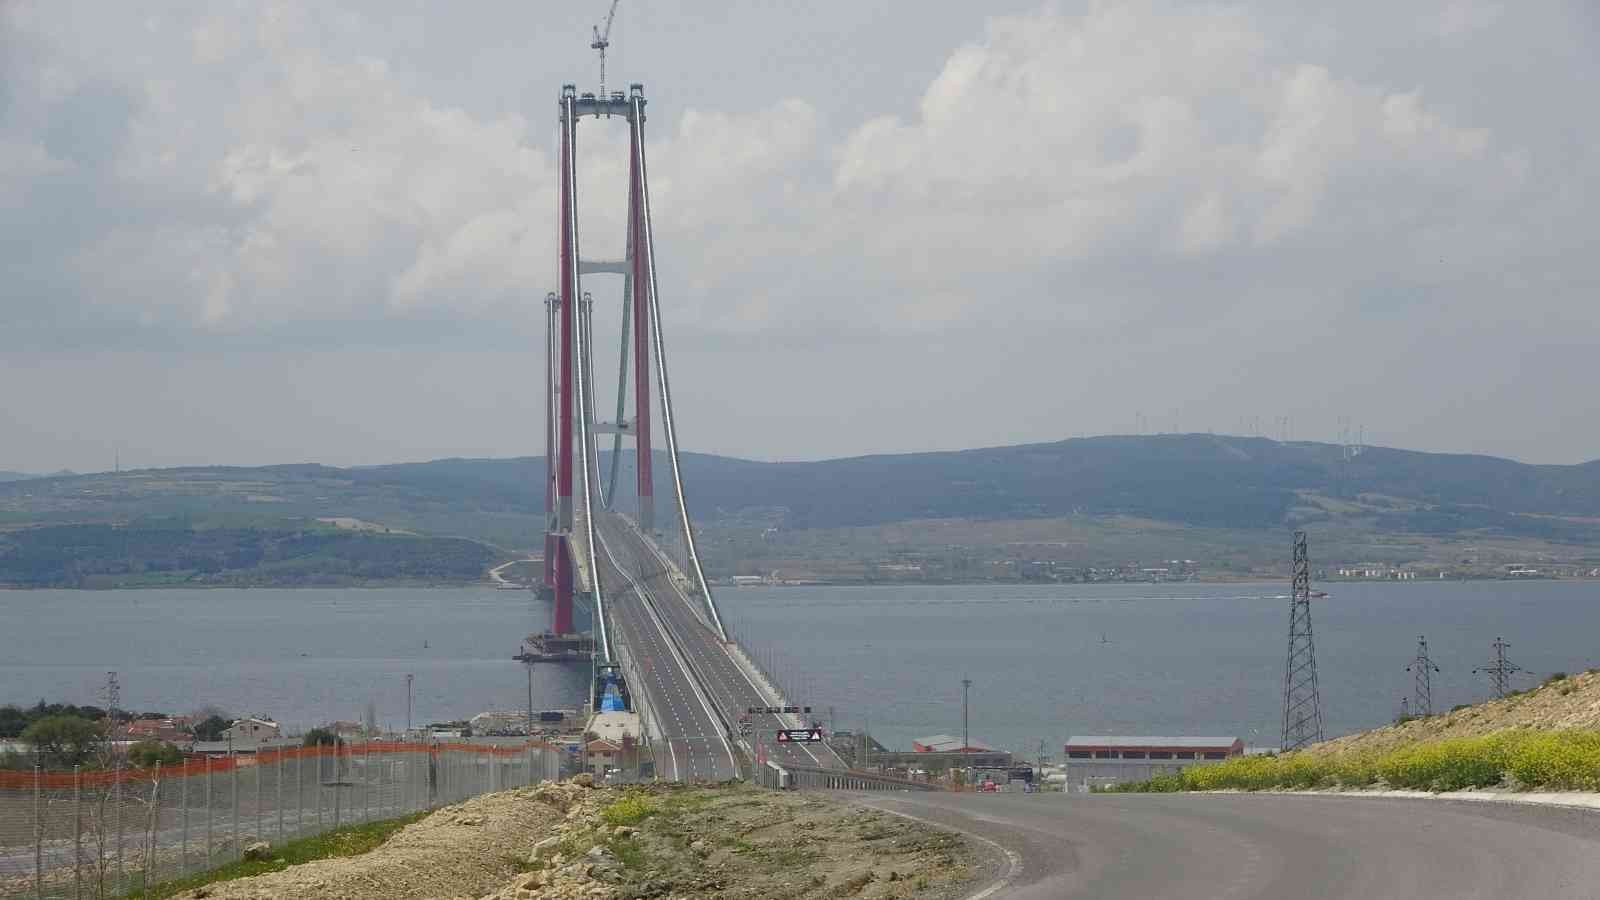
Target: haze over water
1178,658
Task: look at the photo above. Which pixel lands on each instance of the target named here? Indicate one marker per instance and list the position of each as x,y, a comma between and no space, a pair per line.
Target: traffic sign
799,735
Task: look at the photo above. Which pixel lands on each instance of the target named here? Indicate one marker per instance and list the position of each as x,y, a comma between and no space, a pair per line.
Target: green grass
1551,760
352,841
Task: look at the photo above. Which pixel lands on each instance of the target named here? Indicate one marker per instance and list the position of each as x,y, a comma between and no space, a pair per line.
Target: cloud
1138,196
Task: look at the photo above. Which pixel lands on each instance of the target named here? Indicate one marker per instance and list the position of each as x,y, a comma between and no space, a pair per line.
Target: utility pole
409,678
1422,669
966,737
1302,706
530,699
1501,670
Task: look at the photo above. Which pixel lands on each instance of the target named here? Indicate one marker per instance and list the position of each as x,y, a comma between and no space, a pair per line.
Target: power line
1302,706
1422,669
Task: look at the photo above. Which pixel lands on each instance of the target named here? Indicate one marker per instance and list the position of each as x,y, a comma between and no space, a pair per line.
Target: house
600,755
173,729
248,734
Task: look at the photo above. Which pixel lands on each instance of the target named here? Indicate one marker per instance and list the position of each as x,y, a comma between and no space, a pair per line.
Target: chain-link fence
98,834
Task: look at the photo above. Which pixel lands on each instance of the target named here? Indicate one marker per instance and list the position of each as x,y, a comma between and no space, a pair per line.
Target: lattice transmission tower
1422,669
1501,670
1302,706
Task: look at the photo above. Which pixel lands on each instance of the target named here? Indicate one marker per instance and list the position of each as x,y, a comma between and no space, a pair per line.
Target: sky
264,232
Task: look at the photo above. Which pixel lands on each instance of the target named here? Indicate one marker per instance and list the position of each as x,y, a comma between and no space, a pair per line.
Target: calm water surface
303,656
1177,659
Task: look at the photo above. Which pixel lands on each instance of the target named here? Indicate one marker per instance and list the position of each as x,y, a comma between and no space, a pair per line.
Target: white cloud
1139,186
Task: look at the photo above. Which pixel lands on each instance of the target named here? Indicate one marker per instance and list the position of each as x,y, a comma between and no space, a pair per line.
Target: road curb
1561,800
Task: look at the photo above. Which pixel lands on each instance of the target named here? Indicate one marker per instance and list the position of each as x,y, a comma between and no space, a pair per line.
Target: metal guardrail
849,780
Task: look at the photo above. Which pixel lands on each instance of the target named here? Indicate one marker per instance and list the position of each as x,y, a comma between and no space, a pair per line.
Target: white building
248,734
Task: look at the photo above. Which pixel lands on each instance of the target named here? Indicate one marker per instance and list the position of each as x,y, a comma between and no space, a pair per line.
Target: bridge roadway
731,687
696,744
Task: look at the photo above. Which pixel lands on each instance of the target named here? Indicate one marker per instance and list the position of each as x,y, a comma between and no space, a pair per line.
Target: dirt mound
1570,702
460,851
571,840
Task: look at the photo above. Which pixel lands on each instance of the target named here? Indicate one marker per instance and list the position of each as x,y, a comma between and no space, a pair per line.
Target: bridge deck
730,687
691,743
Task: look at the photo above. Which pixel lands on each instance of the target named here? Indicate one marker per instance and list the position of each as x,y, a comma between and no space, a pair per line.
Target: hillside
155,553
1131,497
1545,739
1563,702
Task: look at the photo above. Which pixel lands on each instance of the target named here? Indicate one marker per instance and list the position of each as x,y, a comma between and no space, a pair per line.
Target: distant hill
13,476
1199,480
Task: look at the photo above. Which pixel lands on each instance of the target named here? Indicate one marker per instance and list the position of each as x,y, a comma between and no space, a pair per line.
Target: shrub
1448,765
631,809
1568,760
1559,760
147,753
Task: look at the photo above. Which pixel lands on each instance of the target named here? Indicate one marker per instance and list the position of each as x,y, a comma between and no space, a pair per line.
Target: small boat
1103,638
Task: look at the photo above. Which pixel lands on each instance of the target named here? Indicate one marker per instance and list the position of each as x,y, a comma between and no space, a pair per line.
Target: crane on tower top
602,40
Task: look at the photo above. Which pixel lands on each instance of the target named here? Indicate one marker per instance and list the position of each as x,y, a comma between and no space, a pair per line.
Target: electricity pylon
1302,706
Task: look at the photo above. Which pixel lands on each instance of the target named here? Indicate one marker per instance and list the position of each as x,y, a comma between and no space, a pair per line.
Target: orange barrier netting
57,779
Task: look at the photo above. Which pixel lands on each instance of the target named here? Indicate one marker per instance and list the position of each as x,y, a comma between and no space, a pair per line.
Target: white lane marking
711,717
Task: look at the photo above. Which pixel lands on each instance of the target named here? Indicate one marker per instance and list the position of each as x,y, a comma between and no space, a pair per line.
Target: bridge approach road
731,687
693,744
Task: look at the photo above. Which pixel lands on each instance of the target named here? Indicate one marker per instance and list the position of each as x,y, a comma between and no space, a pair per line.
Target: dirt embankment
569,840
1571,702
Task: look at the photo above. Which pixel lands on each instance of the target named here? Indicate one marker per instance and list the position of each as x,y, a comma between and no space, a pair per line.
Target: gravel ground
568,840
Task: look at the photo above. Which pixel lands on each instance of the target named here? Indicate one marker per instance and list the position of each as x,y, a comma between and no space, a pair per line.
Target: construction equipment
602,40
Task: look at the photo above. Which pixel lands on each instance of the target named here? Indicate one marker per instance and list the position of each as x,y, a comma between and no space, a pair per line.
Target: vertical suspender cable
648,247
622,367
585,431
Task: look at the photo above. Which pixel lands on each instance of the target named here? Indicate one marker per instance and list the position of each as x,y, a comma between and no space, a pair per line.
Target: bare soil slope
569,840
1570,702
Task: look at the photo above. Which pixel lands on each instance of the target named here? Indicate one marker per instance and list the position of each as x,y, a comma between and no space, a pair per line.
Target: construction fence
109,833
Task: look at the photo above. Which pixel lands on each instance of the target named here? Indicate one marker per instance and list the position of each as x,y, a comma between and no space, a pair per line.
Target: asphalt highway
693,745
731,688
1156,846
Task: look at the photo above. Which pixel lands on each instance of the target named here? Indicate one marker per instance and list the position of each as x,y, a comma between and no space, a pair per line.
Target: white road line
711,717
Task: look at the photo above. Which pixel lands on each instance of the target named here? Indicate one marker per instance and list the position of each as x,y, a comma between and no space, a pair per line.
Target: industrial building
1099,760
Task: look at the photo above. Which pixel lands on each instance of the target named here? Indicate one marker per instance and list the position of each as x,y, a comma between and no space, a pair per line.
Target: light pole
966,738
409,678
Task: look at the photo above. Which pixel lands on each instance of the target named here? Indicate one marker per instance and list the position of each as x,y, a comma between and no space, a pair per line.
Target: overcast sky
262,232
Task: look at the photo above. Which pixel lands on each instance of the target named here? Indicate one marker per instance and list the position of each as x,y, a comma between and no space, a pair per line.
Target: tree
211,728
64,740
147,753
323,737
12,721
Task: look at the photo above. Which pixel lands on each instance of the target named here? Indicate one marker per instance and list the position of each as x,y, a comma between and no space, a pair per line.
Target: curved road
1156,846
